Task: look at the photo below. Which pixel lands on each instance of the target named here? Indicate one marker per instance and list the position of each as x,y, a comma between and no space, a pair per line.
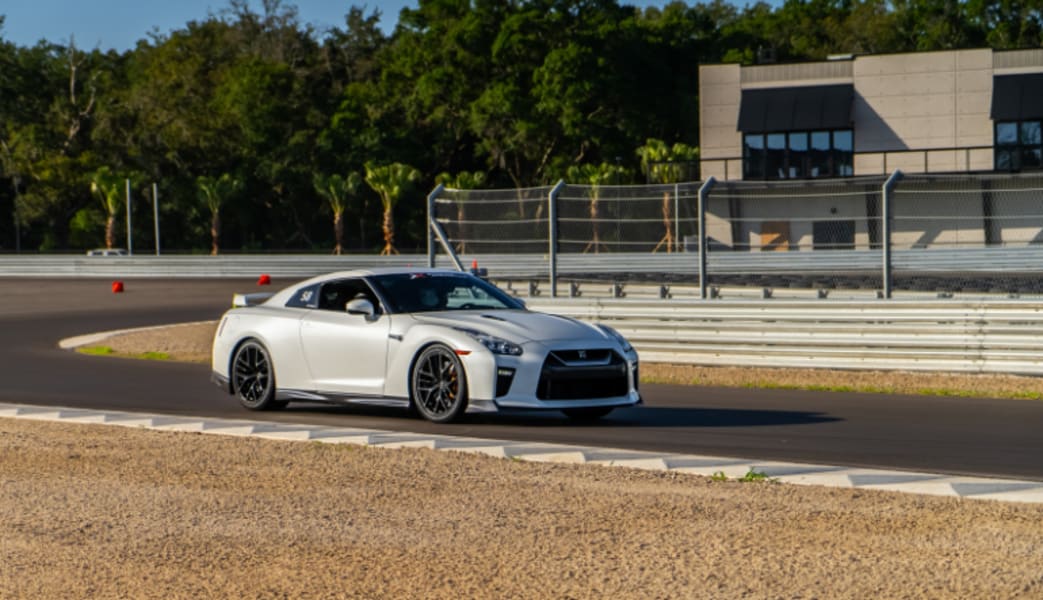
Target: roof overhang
805,108
1017,97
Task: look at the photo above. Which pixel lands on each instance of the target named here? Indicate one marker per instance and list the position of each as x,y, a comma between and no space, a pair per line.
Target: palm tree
214,192
336,190
108,187
461,182
595,176
663,164
391,182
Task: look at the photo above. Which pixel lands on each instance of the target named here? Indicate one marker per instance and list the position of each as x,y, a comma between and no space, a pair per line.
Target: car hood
518,326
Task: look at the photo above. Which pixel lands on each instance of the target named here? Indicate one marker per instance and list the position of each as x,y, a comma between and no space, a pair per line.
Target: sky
119,24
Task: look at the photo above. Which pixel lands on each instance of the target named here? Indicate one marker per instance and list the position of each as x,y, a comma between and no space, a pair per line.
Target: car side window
306,297
334,295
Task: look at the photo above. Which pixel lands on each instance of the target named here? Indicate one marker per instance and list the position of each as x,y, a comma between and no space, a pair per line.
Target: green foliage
521,91
666,164
391,182
337,189
464,180
753,476
598,175
108,187
215,191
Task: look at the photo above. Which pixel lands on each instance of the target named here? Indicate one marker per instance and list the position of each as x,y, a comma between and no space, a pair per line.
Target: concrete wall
719,95
923,100
801,214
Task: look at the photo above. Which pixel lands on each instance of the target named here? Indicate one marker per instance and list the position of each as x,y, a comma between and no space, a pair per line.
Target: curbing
976,488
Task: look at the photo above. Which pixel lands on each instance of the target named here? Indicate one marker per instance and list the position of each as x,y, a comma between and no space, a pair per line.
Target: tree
460,183
337,190
214,192
391,182
108,187
596,176
666,164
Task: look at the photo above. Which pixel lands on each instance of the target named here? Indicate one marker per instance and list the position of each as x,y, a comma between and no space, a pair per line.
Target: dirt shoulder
108,512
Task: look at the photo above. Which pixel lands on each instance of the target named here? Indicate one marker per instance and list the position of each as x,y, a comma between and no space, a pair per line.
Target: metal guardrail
1021,259
967,337
980,336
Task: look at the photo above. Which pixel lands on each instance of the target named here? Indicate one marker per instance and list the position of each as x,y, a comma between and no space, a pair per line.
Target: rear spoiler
241,300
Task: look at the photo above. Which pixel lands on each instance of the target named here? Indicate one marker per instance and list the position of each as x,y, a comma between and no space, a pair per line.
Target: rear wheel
438,385
253,377
587,414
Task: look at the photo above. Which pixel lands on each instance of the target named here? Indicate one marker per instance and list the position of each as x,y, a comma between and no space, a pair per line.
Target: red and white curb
977,488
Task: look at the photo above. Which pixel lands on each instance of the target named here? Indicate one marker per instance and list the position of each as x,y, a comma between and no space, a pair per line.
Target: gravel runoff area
114,512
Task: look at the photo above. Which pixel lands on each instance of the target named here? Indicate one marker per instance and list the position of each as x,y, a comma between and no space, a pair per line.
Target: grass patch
953,385
751,476
96,350
108,351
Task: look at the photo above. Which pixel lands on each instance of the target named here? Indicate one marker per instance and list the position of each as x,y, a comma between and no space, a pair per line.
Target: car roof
283,295
378,271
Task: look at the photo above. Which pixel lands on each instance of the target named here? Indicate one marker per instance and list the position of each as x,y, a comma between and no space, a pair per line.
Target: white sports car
436,341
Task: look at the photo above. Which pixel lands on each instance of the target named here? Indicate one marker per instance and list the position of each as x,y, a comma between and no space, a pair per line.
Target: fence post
704,193
155,213
552,234
431,224
130,239
885,237
677,217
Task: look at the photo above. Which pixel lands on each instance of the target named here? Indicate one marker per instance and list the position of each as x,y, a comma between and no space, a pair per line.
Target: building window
1018,145
798,154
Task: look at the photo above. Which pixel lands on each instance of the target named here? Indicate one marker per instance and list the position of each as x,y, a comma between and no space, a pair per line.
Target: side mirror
361,306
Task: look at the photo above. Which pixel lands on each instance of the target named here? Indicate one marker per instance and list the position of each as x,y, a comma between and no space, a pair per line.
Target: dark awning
796,108
1017,97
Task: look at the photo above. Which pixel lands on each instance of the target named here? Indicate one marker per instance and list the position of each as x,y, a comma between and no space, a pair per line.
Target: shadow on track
662,417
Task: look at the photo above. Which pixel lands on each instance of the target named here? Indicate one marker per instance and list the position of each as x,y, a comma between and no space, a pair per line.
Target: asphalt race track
977,437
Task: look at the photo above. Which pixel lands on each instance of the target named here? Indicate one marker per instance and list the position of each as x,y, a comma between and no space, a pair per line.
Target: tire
253,377
587,414
438,385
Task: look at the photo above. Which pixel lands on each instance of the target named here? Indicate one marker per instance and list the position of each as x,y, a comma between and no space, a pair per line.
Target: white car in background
436,341
107,252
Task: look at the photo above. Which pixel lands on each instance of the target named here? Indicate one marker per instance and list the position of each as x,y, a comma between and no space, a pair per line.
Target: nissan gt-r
434,341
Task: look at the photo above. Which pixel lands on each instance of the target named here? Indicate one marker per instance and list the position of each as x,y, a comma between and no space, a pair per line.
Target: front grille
598,355
579,375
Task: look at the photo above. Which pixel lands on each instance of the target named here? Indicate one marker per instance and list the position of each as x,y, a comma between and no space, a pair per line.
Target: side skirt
299,395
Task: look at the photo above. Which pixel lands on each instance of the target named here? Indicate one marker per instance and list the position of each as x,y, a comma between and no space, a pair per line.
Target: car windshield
426,292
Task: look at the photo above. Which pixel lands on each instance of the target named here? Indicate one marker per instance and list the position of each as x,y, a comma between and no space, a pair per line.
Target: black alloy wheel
438,385
253,377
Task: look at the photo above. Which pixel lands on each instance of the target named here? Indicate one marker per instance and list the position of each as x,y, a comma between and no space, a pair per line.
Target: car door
345,354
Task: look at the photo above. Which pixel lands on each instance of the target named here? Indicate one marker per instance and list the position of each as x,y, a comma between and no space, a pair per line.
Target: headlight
619,337
496,345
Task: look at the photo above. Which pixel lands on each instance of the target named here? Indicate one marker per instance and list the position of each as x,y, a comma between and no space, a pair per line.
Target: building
950,112
960,110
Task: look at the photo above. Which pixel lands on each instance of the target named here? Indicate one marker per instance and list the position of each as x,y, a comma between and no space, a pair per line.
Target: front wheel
253,377
438,385
587,414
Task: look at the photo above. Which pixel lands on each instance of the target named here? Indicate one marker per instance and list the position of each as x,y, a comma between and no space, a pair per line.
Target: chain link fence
941,234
